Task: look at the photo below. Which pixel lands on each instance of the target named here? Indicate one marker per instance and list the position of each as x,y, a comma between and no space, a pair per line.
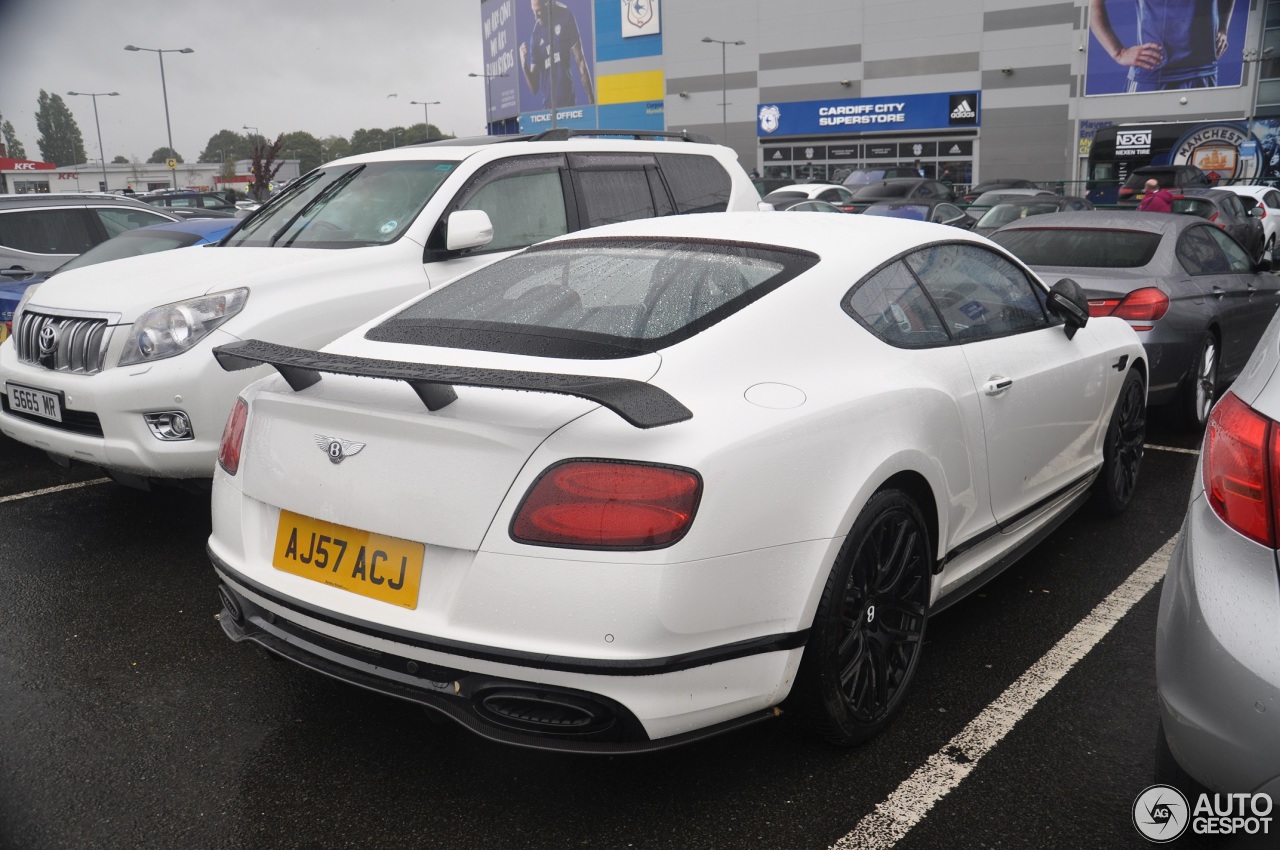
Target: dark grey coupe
1198,301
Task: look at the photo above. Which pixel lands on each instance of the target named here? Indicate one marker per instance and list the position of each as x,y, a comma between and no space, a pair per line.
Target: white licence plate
35,402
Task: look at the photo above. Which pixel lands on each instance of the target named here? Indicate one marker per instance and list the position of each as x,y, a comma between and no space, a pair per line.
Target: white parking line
1173,449
58,489
947,768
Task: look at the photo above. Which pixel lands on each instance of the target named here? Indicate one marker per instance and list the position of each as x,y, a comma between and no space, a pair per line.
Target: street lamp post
164,89
488,110
426,115
101,152
724,83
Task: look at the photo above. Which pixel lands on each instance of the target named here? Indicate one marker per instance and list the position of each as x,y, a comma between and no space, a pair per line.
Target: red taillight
232,437
1142,305
1241,450
604,504
1102,306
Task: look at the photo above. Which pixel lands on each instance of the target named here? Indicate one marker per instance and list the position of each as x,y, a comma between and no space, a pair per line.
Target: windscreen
594,299
346,206
131,243
884,190
775,197
1002,214
915,212
1080,246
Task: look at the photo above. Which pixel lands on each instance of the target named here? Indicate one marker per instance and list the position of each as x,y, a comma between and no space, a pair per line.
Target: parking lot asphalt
128,720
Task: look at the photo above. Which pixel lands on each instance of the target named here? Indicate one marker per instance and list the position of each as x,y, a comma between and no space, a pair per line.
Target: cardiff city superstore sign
936,111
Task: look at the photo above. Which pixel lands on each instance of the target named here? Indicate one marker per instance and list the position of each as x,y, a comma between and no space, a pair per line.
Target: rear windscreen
1080,246
595,299
884,190
915,212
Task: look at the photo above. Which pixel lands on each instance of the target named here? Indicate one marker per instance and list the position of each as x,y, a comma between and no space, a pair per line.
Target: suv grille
75,343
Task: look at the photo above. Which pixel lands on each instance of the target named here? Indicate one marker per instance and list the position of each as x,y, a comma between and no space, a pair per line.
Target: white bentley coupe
661,479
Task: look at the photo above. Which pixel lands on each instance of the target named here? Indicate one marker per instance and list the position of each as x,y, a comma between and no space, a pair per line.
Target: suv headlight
26,296
175,328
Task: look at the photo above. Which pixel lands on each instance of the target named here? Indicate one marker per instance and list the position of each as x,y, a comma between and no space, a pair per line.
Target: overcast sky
320,66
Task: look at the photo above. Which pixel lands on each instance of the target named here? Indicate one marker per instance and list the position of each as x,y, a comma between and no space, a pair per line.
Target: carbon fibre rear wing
640,404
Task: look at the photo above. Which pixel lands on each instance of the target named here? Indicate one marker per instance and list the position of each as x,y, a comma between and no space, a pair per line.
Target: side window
945,212
1076,204
67,231
612,196
980,293
892,304
829,196
924,190
699,183
1199,252
843,196
1272,199
1237,257
117,221
524,199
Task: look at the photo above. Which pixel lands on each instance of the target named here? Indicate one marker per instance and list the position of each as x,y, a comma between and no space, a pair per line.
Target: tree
120,160
264,168
15,148
226,146
60,141
334,147
164,154
305,148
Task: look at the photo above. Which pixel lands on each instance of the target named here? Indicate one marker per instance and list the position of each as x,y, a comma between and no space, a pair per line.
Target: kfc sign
25,165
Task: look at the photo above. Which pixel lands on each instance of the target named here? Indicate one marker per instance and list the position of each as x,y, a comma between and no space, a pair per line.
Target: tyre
869,629
1268,253
1202,384
1122,451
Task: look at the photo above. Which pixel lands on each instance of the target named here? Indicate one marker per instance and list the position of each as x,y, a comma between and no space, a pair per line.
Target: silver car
1198,301
1218,630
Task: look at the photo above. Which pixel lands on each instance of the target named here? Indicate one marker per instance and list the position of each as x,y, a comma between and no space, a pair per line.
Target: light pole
164,89
426,114
488,110
102,153
724,83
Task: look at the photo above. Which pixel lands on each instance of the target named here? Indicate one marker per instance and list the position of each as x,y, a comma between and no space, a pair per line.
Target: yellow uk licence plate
388,569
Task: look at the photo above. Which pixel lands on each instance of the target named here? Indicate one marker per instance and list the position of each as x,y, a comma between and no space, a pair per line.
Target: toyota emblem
48,340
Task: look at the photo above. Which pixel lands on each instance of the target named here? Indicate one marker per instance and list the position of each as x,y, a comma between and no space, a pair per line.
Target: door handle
1218,292
997,385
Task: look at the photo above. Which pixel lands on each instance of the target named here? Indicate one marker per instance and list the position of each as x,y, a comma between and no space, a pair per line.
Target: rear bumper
1218,657
526,699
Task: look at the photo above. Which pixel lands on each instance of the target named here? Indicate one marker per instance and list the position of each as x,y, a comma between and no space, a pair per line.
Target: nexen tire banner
869,114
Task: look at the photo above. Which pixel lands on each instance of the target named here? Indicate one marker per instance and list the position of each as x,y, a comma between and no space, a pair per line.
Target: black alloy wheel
1123,449
869,628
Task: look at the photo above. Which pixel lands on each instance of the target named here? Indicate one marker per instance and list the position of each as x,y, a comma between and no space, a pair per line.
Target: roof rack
560,134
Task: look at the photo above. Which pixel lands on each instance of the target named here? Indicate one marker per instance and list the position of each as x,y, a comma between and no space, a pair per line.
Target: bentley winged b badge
337,448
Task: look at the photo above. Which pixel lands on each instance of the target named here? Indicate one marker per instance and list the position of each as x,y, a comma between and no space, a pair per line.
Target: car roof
842,238
1110,220
53,199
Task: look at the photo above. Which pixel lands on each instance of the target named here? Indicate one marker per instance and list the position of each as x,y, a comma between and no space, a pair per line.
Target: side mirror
468,229
1255,212
1067,301
964,222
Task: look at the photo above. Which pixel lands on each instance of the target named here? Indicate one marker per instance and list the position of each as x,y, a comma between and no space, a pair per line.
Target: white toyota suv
111,365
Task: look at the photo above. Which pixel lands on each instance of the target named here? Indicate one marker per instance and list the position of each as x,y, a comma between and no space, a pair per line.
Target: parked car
131,243
837,195
863,176
900,189
1265,199
216,201
124,372
1175,178
523,500
972,193
1226,211
39,232
1198,301
1015,208
806,205
979,206
935,210
1217,644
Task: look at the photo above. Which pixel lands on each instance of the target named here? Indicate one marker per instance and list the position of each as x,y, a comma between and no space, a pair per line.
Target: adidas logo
964,110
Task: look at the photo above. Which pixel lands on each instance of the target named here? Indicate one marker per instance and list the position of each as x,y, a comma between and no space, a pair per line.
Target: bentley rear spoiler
640,404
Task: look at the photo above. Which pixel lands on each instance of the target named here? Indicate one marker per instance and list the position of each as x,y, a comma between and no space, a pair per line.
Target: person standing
543,58
1156,199
1179,42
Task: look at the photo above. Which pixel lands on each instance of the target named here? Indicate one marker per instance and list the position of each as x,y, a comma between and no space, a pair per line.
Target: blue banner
937,111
